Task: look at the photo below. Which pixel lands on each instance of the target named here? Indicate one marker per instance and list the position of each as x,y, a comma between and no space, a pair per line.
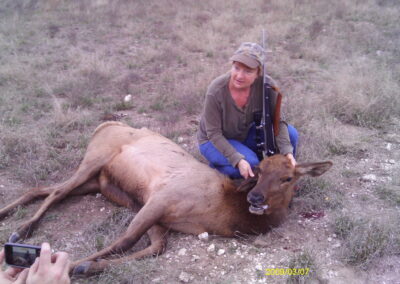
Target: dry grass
304,260
65,64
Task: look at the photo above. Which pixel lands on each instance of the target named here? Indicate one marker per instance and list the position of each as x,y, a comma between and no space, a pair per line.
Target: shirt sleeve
213,126
283,139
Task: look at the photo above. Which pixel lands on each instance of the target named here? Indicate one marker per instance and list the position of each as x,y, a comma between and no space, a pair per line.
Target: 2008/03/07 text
287,271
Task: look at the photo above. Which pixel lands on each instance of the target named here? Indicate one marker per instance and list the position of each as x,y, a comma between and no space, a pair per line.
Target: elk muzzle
256,201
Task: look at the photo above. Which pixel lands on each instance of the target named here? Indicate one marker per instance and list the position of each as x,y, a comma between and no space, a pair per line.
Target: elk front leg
147,217
157,235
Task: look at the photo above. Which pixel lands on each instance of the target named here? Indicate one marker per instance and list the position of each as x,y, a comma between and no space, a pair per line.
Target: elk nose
255,198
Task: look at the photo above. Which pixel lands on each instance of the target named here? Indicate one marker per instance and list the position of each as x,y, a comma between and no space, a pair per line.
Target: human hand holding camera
12,274
47,269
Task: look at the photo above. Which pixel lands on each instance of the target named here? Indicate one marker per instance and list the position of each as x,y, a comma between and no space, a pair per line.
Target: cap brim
246,60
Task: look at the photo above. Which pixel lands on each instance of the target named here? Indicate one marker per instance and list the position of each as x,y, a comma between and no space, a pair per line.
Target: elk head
272,187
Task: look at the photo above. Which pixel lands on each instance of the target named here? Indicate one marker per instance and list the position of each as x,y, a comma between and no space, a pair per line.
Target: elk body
176,192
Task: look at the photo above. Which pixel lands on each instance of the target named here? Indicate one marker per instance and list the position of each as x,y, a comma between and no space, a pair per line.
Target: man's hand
292,159
245,169
12,275
49,269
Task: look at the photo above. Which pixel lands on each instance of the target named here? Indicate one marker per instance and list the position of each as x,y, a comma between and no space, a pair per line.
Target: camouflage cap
250,54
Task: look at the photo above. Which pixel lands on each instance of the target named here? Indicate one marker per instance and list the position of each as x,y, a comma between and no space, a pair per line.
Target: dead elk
175,190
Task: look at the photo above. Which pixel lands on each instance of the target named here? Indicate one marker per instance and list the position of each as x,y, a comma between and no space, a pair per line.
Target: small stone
182,252
128,98
259,267
184,277
369,178
203,237
211,248
102,209
260,243
391,161
195,258
98,195
220,252
180,139
389,146
2,185
337,245
329,239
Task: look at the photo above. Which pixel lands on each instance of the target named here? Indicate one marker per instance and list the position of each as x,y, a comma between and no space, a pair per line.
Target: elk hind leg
24,199
115,193
91,186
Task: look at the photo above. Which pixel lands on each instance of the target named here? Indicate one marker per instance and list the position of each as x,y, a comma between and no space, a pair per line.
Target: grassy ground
65,66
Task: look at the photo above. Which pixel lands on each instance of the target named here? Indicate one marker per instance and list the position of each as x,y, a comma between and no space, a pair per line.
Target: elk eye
288,179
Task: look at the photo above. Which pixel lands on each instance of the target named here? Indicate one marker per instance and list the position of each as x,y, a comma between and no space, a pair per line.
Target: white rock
182,251
369,178
184,277
391,161
259,267
102,209
211,248
128,98
221,252
180,139
203,236
389,146
195,258
329,239
337,245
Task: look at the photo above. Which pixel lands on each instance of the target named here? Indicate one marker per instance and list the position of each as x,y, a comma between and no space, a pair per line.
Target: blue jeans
247,148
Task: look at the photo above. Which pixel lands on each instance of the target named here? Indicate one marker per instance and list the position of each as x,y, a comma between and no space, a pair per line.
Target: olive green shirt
222,119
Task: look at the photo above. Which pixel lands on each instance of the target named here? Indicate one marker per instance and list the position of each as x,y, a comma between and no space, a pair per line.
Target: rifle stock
269,124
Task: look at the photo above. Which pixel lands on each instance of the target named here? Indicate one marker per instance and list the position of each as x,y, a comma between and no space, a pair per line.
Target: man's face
242,76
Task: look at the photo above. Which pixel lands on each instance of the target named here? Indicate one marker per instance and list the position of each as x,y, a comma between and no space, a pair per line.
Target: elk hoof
14,237
82,268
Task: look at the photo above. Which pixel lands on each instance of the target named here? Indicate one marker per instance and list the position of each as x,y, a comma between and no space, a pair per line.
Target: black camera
20,255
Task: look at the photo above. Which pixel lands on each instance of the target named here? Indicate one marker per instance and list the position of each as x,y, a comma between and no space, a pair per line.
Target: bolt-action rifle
267,123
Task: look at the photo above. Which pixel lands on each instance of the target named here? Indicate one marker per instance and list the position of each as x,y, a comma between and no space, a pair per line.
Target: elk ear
250,182
313,169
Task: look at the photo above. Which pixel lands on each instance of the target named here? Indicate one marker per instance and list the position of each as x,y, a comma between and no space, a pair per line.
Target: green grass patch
303,260
319,194
389,193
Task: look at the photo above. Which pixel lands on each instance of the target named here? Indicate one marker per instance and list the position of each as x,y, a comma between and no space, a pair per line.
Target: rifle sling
277,114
